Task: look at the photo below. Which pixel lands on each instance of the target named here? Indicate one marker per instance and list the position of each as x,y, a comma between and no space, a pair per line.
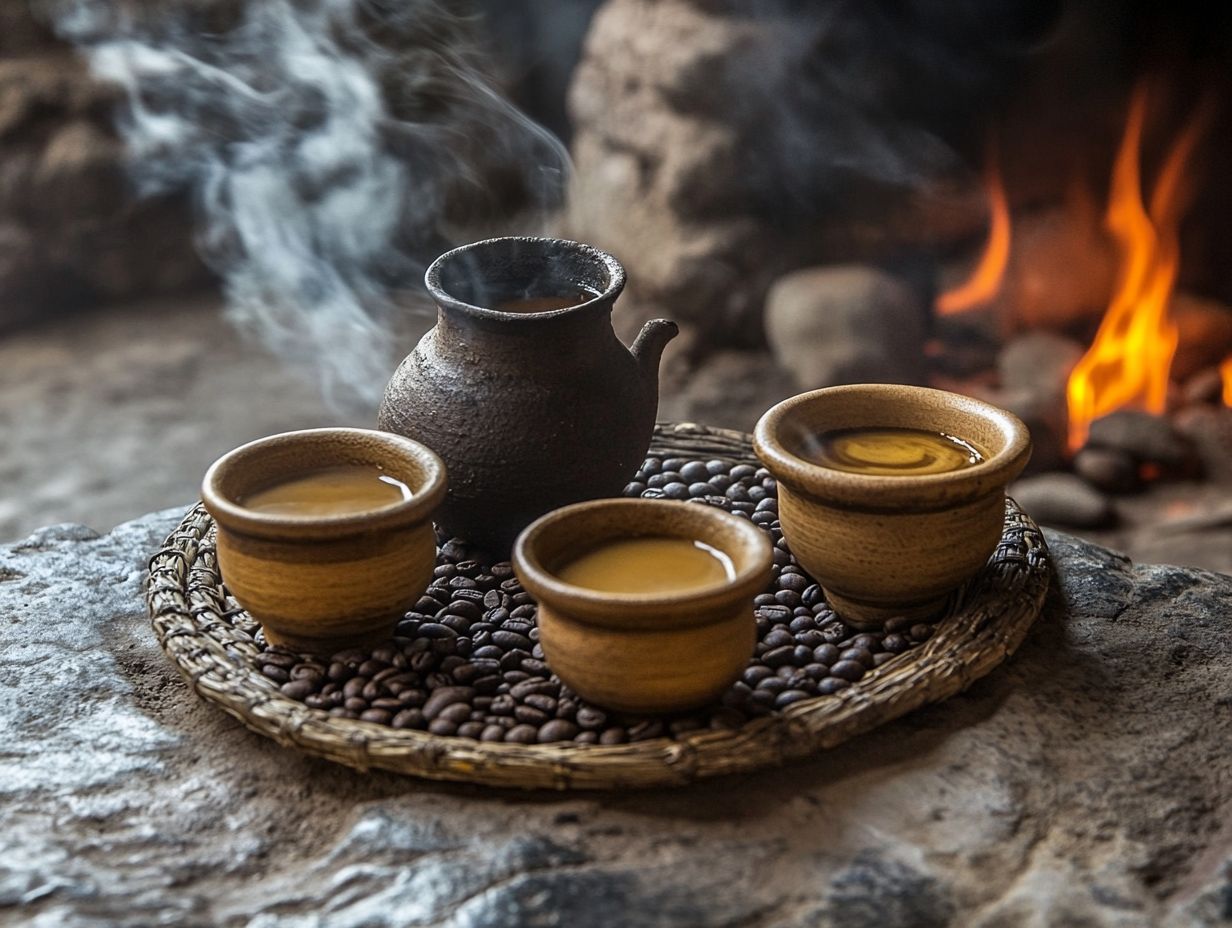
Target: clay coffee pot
522,386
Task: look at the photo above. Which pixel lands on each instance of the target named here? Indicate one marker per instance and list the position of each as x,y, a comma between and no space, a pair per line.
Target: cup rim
658,611
432,278
883,492
236,517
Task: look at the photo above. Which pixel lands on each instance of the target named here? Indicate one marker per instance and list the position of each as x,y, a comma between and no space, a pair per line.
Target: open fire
1129,362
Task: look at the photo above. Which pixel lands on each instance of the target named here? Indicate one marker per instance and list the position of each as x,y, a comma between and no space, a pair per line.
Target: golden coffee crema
892,451
649,565
332,491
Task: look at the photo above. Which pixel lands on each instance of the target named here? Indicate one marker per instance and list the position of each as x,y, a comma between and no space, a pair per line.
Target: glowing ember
1128,363
985,280
1226,370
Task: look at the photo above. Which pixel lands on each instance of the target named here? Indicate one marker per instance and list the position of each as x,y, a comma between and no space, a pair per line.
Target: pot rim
428,492
615,274
648,518
893,493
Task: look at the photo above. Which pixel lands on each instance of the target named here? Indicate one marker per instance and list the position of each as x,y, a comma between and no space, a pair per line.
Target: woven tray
204,633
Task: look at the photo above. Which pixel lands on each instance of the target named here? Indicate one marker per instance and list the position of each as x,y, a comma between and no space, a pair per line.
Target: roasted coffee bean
496,617
457,713
768,504
537,651
530,715
847,670
779,656
489,651
444,570
315,701
466,609
503,704
470,567
653,493
763,698
501,571
340,672
442,727
778,638
436,631
867,641
861,655
775,613
831,685
524,611
780,557
512,660
446,696
787,697
764,599
422,662
586,737
557,730
436,680
297,689
276,673
763,518
900,623
895,644
614,735
788,598
633,488
775,684
535,667
492,733
522,599
283,659
515,676
523,734
511,641
834,631
354,686
492,599
462,583
518,627
470,729
371,667
380,716
413,698
355,704
811,638
801,655
742,471
794,581
373,690
393,705
921,632
755,673
881,657
475,668
801,623
541,701
590,718
812,596
816,672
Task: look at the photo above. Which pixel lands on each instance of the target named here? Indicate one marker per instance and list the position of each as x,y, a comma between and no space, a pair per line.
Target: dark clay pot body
528,411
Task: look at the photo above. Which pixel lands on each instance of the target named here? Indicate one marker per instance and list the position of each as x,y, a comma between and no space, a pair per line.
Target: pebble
467,663
1063,499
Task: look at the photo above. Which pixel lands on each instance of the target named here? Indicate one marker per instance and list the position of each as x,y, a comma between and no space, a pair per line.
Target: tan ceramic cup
320,584
645,653
885,546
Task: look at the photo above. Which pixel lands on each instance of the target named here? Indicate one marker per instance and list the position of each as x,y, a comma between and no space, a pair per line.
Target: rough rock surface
1084,783
846,324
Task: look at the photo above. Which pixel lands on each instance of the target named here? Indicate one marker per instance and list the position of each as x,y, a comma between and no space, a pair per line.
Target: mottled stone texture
1084,783
71,230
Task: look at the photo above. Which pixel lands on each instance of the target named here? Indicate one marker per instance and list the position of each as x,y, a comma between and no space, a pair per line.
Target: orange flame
985,280
1226,370
1129,361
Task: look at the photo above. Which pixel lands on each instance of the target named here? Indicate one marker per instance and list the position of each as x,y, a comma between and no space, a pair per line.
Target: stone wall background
72,234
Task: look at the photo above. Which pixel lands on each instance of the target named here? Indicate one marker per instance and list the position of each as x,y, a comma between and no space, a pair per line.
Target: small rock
1109,469
1209,428
1038,363
1149,439
1206,386
846,324
1063,499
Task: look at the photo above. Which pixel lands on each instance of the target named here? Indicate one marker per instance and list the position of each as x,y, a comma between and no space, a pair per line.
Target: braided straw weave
209,639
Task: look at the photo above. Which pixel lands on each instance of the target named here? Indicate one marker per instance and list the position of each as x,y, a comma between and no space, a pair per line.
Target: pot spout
648,348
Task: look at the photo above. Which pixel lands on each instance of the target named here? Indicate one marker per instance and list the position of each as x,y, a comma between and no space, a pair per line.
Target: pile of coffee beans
467,661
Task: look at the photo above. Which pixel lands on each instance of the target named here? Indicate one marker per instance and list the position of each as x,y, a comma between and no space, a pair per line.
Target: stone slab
1087,782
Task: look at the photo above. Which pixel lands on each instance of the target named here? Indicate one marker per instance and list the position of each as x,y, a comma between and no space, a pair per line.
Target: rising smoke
331,148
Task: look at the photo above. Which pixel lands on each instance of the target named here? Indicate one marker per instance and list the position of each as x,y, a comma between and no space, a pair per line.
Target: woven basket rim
986,621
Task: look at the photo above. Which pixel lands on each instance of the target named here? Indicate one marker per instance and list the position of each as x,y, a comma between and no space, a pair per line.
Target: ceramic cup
324,583
885,546
645,653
